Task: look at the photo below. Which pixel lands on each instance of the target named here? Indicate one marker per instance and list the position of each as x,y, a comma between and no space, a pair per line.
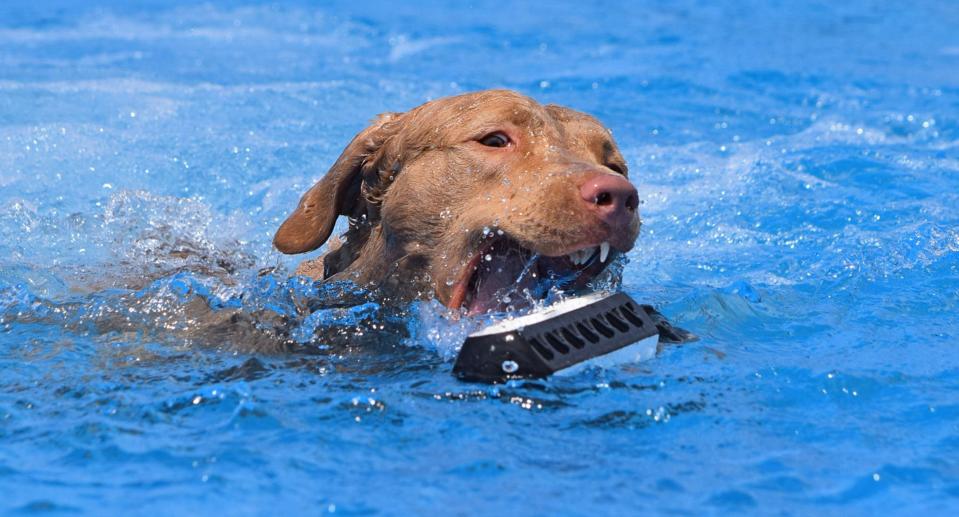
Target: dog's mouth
503,274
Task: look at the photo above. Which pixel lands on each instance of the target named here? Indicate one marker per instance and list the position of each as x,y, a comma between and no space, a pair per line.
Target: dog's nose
612,197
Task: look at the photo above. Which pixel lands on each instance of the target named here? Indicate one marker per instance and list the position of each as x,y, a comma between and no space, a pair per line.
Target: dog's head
472,198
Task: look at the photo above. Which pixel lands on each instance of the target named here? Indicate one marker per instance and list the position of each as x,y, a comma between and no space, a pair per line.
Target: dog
476,199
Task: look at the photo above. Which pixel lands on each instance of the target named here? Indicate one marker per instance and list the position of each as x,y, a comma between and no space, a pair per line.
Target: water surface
799,167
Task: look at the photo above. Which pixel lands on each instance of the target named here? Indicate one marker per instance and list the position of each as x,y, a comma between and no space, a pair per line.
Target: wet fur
418,192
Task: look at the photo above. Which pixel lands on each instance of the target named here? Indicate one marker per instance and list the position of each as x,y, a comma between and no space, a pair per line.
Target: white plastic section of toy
552,311
639,351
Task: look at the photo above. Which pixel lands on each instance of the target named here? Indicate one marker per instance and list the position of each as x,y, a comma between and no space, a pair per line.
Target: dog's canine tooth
603,251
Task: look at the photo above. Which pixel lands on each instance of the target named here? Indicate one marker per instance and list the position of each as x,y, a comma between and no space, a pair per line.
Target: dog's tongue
502,277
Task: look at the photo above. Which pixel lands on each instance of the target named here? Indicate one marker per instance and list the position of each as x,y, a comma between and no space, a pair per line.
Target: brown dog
472,199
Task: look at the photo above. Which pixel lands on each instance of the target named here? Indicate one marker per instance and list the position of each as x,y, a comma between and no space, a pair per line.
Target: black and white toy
601,329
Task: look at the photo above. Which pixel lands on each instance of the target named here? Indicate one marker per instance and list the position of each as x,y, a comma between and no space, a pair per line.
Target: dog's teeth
580,257
603,251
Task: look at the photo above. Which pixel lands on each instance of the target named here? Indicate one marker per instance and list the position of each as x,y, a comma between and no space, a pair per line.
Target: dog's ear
337,193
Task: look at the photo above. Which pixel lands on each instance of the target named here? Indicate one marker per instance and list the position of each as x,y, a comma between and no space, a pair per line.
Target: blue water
799,166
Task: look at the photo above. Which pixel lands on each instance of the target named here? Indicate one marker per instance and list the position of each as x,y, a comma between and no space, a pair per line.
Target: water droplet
510,366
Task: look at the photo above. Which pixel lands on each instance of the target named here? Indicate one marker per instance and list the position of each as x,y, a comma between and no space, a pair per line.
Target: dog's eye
496,139
615,167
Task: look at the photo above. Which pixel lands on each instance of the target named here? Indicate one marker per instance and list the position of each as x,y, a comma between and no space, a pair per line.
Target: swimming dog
470,199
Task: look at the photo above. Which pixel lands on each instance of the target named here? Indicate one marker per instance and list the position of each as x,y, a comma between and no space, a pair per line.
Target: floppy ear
337,193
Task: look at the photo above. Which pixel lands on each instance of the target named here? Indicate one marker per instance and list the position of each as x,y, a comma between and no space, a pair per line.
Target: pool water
799,168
